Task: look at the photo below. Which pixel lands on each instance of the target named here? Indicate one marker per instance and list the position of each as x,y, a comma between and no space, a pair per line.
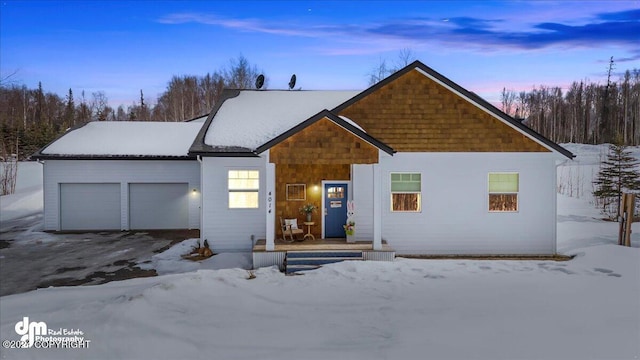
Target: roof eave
40,156
39,153
199,147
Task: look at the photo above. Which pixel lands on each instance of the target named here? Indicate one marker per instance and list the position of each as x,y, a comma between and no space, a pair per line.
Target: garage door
159,206
90,206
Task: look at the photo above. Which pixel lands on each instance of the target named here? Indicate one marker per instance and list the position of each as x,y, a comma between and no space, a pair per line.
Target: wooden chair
288,229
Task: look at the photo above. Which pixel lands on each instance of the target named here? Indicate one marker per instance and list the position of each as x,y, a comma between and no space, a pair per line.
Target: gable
414,113
323,143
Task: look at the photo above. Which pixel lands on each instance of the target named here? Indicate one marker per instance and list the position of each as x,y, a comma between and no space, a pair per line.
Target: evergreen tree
69,110
617,174
39,113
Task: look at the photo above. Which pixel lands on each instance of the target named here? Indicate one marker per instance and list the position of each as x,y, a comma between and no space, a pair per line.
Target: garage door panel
89,206
159,206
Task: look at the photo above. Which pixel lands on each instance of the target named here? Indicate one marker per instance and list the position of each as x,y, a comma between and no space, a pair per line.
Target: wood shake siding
323,143
413,113
322,151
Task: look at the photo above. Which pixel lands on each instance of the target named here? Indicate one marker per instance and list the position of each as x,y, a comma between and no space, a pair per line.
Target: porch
315,164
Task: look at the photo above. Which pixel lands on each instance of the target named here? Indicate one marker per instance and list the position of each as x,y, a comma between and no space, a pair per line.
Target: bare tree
120,114
379,72
100,106
189,96
9,167
405,57
6,80
83,111
241,74
507,99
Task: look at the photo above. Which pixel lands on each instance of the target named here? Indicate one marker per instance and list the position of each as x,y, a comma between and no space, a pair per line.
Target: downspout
555,205
44,189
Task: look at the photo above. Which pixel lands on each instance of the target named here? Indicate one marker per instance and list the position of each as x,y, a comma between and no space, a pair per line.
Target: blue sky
121,47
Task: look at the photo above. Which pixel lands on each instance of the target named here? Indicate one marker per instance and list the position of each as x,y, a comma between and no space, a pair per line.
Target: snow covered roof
199,119
255,117
126,138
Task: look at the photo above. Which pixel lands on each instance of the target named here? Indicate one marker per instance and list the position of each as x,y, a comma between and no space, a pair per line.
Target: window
503,192
335,192
405,192
243,189
296,192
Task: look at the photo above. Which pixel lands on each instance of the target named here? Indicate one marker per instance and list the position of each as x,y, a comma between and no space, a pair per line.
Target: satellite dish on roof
292,82
259,81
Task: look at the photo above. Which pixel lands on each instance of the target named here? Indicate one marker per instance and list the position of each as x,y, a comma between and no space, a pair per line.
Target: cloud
627,15
619,28
609,28
249,25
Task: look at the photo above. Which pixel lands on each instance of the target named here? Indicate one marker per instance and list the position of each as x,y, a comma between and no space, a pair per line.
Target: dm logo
29,330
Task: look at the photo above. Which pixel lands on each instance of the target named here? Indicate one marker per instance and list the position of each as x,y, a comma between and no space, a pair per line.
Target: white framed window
503,191
406,192
244,187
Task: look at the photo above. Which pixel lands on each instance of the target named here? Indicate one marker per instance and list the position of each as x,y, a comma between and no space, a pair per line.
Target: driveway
31,259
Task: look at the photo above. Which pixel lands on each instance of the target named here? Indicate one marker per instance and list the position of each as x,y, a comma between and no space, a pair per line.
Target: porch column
377,208
271,205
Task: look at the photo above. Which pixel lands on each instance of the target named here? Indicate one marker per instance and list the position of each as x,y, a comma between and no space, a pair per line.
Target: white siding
230,229
118,171
455,217
362,190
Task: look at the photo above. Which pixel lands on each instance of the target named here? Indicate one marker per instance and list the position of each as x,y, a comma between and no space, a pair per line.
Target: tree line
586,113
31,118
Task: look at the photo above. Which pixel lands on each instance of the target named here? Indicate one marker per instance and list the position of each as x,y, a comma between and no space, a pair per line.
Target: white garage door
159,206
90,206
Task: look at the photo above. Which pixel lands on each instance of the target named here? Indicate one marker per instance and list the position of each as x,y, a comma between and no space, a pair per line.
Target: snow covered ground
586,308
28,197
575,178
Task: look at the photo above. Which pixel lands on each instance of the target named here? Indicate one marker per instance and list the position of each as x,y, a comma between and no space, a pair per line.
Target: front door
335,203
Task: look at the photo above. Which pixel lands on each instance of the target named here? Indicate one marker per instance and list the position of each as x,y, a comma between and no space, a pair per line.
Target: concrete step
296,261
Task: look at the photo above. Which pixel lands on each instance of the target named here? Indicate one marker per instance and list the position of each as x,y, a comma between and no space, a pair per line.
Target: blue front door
335,203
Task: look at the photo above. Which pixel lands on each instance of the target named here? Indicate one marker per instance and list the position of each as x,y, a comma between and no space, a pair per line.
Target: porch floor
319,244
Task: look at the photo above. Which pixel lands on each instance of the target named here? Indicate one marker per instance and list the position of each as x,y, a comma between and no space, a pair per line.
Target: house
431,168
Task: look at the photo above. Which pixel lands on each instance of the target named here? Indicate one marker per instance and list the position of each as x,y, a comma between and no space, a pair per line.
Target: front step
295,261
